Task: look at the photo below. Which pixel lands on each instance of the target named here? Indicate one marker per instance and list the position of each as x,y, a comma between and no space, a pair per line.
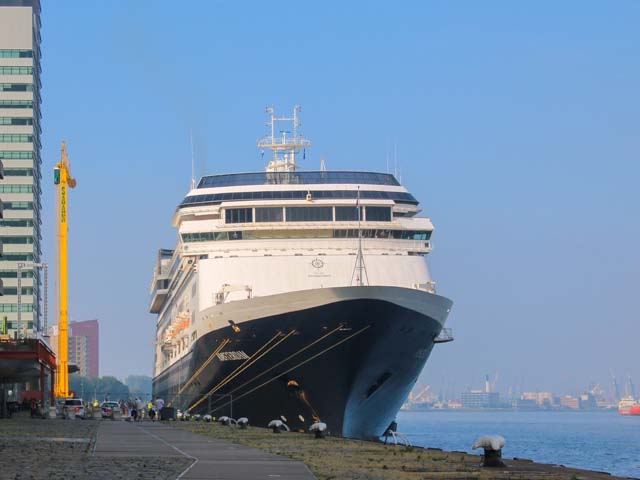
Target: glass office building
20,147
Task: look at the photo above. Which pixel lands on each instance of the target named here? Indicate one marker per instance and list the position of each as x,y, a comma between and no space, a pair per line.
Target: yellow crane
63,181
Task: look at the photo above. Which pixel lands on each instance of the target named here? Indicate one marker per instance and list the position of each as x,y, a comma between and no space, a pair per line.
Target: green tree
110,388
139,386
100,388
82,387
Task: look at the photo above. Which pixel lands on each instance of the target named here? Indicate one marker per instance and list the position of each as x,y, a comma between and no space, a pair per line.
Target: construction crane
63,181
616,389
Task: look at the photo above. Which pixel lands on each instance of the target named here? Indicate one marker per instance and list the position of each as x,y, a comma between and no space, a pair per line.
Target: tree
139,385
99,388
110,388
82,387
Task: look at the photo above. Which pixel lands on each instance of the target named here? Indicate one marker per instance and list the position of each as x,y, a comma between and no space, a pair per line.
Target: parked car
108,408
73,408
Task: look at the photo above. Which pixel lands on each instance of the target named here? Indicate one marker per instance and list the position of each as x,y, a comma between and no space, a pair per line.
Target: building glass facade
20,145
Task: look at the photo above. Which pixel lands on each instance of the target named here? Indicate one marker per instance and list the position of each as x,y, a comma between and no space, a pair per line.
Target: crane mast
63,181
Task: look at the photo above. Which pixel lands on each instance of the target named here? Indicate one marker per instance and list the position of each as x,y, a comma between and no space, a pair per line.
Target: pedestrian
159,405
152,414
139,408
34,408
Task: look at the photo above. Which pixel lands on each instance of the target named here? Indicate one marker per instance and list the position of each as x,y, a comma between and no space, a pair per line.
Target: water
603,441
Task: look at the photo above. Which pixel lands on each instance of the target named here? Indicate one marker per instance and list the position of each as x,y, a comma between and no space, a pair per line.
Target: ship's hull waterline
348,356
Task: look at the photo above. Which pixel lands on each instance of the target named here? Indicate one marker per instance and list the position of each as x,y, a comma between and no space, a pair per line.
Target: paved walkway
212,458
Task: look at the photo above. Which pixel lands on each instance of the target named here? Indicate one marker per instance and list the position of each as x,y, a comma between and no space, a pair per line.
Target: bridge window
270,214
411,235
238,215
348,214
309,214
378,214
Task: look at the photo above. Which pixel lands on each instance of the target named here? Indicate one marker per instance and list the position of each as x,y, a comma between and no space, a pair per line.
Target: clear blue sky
517,125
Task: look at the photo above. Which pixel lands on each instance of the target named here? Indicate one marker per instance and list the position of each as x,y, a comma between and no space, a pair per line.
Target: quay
106,449
207,457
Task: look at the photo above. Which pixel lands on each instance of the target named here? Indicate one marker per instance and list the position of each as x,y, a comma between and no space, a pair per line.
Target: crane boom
63,180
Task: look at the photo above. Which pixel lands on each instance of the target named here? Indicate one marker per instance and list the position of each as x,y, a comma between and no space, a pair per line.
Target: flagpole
359,258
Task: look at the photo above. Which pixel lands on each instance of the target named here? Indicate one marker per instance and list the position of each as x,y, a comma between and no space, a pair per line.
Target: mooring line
296,366
306,347
203,366
195,459
244,366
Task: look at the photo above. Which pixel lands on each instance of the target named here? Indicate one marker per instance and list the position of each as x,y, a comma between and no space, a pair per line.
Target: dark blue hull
350,364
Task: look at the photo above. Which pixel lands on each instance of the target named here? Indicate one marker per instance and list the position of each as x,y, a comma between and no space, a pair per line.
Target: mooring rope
296,366
204,365
285,360
250,361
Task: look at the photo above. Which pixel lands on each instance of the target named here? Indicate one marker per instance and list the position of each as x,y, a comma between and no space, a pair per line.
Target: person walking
159,405
139,409
150,410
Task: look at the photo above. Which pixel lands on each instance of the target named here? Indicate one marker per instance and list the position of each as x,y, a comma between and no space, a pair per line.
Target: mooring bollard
243,422
492,445
278,426
319,429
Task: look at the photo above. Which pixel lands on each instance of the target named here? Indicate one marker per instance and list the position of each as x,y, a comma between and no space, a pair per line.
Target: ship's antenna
323,165
395,160
193,163
360,270
286,148
387,152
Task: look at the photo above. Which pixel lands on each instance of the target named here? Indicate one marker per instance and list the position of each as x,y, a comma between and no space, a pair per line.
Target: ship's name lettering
231,356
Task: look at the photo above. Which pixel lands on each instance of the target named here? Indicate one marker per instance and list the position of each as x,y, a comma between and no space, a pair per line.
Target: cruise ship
296,295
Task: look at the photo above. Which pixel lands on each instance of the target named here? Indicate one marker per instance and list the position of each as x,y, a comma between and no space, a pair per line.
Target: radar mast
285,145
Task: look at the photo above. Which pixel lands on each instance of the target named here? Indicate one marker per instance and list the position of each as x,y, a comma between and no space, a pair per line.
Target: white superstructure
256,235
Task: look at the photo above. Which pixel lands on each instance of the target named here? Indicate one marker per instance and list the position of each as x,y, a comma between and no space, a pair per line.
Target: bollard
319,429
243,422
492,445
278,426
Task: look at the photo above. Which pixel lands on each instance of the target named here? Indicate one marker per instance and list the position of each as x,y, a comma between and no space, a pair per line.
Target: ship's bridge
298,178
282,186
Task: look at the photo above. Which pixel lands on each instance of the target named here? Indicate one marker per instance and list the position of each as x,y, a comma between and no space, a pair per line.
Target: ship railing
284,143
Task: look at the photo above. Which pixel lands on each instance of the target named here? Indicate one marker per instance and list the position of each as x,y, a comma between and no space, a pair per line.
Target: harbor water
599,440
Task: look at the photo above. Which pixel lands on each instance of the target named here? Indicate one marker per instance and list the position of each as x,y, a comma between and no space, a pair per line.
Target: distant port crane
63,181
